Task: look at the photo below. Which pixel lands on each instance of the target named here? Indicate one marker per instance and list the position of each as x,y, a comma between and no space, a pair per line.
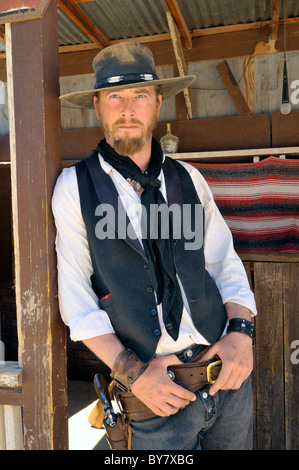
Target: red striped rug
259,202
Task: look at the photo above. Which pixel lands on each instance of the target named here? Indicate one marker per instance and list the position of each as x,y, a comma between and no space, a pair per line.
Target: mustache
128,122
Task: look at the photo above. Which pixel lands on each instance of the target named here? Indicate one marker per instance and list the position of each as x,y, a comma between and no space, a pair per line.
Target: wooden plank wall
276,375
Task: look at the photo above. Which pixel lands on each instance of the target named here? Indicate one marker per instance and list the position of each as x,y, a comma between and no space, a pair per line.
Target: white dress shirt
78,303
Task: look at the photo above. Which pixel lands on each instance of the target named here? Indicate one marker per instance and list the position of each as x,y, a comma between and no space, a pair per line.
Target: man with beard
147,304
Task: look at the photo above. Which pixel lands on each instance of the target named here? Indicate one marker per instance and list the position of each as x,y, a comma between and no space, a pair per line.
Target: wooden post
34,119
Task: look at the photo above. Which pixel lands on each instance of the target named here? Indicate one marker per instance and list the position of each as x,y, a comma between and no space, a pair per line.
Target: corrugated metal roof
209,13
68,32
122,19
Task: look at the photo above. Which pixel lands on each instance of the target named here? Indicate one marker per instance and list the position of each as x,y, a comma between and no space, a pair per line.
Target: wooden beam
35,149
233,88
275,19
180,21
11,396
84,23
180,59
248,80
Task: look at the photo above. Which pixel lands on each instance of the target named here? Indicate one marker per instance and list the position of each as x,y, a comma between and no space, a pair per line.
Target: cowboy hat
126,65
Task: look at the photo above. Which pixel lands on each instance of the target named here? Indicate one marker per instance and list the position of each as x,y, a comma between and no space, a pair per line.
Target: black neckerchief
158,249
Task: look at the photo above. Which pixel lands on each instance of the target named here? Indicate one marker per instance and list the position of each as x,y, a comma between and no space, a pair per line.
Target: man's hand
157,391
235,351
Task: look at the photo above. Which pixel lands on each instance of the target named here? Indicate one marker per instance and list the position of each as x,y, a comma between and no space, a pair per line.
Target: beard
128,145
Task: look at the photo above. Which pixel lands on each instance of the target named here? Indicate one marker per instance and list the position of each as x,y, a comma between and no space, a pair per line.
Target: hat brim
169,87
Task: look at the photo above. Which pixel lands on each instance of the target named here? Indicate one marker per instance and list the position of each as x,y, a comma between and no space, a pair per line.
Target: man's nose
127,109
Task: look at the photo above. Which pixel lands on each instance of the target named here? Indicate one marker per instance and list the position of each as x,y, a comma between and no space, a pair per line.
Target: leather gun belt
191,375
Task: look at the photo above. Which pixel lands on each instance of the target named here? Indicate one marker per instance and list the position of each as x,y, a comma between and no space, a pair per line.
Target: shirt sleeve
222,262
78,303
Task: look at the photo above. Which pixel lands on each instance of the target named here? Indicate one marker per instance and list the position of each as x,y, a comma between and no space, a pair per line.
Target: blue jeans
220,422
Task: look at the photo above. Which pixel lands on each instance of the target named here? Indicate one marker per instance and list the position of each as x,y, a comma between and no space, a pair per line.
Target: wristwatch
241,325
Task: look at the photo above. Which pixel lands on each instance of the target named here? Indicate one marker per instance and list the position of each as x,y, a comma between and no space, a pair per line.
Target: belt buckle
209,370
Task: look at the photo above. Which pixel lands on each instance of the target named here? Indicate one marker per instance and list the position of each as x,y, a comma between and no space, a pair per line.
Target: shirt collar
109,168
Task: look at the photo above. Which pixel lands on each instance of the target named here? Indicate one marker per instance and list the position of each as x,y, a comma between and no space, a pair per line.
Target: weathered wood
11,396
269,357
275,19
13,428
35,163
285,128
248,79
233,88
2,429
10,374
180,21
290,281
11,425
248,269
269,257
19,12
180,60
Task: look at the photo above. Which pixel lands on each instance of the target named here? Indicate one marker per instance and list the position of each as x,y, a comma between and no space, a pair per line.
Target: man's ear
159,99
95,103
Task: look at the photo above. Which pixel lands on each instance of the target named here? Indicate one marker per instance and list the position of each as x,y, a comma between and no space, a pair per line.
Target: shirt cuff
88,326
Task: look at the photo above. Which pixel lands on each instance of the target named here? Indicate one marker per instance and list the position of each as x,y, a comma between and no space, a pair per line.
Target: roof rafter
180,21
180,59
275,19
84,23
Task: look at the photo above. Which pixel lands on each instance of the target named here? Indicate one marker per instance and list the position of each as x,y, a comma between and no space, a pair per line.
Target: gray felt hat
126,65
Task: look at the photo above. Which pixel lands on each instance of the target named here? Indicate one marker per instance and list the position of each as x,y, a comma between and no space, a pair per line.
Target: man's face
128,117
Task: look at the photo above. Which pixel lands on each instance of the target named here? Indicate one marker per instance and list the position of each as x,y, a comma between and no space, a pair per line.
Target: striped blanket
259,202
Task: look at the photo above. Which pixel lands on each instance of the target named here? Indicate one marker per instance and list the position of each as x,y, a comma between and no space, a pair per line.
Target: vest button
149,289
145,266
157,332
153,311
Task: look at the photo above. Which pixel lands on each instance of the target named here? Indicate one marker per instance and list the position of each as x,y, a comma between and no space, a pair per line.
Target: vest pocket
102,293
105,301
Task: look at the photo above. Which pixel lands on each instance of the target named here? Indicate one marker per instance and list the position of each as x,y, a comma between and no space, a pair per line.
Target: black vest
122,279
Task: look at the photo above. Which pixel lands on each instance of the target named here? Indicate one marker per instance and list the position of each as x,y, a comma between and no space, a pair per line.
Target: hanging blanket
259,202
